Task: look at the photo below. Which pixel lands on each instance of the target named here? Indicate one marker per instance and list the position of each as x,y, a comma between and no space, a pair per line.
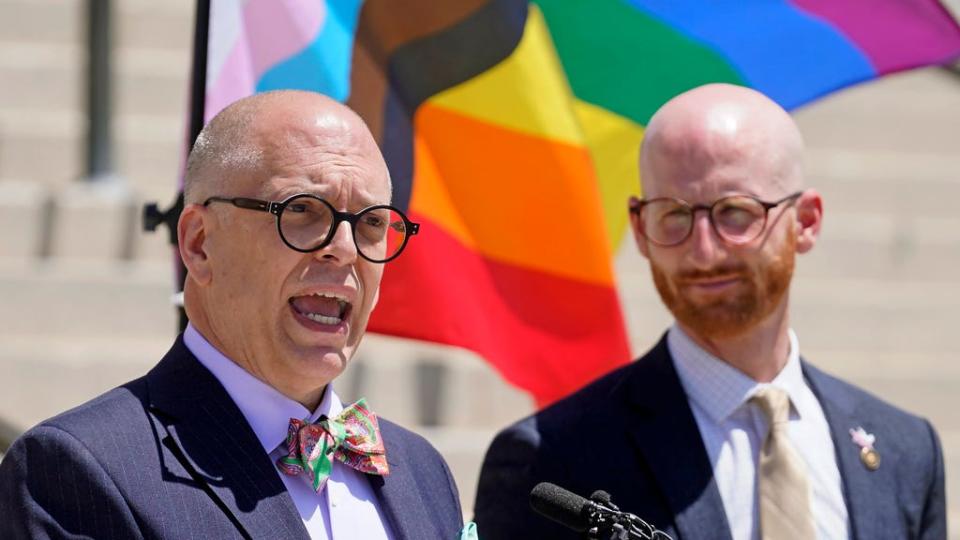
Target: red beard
758,294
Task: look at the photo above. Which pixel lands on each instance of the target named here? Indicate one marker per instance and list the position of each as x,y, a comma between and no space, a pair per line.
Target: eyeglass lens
380,232
737,219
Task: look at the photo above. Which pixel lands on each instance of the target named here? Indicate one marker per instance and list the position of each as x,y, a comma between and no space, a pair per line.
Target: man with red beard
723,430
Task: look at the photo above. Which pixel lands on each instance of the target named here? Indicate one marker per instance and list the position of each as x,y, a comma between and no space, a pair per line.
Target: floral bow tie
353,437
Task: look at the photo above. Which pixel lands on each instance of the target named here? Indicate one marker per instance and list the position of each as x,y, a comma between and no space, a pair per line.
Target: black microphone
597,516
602,497
565,507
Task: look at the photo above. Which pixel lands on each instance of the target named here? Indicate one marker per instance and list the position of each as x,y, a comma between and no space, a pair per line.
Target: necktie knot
775,404
353,438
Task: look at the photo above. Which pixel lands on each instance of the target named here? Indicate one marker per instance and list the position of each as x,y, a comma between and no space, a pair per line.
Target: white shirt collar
266,410
718,388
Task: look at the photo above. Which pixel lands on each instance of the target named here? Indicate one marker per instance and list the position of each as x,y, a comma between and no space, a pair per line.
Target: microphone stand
612,524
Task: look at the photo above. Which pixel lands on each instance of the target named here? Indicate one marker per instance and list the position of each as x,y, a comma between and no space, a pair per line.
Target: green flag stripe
625,61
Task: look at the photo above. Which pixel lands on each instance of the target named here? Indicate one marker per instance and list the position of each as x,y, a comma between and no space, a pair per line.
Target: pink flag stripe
272,31
895,35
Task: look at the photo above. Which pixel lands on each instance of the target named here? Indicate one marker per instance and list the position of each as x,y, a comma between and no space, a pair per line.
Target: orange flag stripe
513,197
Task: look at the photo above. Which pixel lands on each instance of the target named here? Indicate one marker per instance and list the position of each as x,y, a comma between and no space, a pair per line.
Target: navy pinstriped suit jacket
169,455
632,434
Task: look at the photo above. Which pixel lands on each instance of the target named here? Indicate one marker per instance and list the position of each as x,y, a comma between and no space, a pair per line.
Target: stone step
907,101
85,298
45,374
167,25
934,398
43,75
46,21
137,23
894,183
51,77
148,150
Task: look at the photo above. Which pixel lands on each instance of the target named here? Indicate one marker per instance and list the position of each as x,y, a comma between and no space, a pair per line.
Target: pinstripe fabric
148,460
346,506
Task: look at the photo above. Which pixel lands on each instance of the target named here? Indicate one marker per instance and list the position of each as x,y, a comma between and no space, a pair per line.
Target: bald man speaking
238,432
723,430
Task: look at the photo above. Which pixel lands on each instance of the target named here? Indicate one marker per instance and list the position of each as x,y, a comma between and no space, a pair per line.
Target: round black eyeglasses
737,219
307,223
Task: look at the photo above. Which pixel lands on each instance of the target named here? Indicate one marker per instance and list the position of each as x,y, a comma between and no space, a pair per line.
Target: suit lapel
666,434
399,493
205,431
863,489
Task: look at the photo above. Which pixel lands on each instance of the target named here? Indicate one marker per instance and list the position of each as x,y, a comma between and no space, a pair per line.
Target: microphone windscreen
560,505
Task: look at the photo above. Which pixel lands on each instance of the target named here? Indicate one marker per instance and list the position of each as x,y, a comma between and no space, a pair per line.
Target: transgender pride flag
511,130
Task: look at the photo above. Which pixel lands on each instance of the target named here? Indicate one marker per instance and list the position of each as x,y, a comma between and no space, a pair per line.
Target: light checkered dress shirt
733,431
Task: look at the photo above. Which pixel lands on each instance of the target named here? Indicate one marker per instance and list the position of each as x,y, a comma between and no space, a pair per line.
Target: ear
809,213
191,240
635,226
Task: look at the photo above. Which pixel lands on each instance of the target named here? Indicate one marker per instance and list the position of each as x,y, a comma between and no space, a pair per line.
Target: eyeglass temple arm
243,202
774,204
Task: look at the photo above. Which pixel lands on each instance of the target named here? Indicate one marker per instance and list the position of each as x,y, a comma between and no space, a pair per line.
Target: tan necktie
782,478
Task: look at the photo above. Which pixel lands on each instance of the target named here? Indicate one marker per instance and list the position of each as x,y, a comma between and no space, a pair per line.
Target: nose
704,242
341,249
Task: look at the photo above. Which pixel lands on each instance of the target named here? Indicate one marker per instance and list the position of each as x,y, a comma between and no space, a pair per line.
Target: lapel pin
868,454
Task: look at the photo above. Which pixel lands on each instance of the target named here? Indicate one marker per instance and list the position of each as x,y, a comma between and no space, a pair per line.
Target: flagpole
198,81
99,147
198,94
153,217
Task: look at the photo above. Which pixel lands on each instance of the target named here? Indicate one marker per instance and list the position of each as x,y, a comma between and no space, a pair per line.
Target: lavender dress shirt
347,507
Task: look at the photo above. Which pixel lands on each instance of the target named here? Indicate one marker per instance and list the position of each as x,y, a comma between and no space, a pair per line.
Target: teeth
340,297
323,319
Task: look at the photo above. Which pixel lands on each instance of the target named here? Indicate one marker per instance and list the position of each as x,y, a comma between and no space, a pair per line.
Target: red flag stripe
567,332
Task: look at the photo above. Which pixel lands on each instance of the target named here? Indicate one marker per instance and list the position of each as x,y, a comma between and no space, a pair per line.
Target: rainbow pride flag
511,130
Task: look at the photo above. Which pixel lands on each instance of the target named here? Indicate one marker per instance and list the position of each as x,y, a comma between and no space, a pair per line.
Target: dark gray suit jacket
632,434
170,455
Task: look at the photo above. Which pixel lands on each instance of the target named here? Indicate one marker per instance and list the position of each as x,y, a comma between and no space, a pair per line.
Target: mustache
719,271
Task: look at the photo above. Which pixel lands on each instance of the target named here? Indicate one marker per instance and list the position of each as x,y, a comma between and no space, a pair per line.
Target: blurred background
85,295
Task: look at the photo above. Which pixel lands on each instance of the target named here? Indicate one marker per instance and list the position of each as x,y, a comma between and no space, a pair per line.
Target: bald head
245,137
716,127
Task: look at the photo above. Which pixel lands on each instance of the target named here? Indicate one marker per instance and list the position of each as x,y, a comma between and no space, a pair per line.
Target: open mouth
326,308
